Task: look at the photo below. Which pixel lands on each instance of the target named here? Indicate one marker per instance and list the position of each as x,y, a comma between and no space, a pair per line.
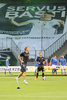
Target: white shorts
7,67
54,66
63,67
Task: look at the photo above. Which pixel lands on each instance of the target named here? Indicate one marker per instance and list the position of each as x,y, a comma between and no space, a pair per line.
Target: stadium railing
55,46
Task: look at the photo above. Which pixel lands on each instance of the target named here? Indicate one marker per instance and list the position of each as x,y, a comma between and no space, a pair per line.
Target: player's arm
29,58
65,62
50,63
44,61
37,61
18,23
20,59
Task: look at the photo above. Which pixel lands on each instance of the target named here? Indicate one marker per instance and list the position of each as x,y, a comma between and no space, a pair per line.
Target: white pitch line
28,96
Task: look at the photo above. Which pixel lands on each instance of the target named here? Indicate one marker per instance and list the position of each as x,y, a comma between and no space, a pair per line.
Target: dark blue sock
52,71
35,71
55,71
9,72
5,73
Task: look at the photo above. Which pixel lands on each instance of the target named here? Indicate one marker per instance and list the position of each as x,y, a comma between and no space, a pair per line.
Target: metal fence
55,46
5,43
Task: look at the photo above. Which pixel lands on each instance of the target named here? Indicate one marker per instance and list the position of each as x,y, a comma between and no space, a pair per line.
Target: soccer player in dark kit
40,61
25,56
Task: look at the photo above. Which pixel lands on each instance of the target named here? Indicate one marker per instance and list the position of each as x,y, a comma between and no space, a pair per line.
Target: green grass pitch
53,88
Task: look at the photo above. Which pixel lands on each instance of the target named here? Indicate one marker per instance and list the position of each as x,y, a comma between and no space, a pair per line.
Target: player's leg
64,70
21,73
35,69
24,73
43,73
38,69
9,71
5,71
24,76
53,69
61,70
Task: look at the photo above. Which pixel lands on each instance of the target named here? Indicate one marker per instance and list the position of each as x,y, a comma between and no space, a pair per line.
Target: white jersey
46,27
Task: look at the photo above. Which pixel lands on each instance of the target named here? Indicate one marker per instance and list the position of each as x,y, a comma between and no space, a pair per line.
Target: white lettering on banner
26,13
11,8
22,11
11,14
37,8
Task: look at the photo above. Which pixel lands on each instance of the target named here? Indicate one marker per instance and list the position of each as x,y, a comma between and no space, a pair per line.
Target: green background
32,1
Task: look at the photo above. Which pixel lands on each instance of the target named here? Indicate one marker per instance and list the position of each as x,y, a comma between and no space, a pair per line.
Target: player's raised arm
18,23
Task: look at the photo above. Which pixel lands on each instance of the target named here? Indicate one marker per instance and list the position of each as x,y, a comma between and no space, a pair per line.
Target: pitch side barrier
48,70
29,68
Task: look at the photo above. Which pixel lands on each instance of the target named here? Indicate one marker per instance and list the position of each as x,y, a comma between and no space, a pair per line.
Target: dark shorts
23,68
40,68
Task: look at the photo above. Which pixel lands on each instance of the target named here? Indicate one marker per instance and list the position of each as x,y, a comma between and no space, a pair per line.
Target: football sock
5,73
64,70
42,74
9,72
37,75
61,71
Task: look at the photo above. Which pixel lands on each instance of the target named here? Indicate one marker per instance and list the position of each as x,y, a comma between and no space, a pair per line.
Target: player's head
40,54
54,56
8,57
46,16
26,49
62,56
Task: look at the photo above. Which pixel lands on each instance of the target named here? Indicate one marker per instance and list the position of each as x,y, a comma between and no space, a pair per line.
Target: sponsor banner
17,68
29,68
49,68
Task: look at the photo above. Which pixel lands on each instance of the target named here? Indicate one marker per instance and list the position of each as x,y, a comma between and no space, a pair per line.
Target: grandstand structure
58,47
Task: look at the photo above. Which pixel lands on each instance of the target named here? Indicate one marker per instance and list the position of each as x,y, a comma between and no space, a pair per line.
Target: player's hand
29,58
22,61
43,62
38,62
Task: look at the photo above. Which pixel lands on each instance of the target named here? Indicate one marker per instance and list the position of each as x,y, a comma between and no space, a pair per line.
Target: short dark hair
25,48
